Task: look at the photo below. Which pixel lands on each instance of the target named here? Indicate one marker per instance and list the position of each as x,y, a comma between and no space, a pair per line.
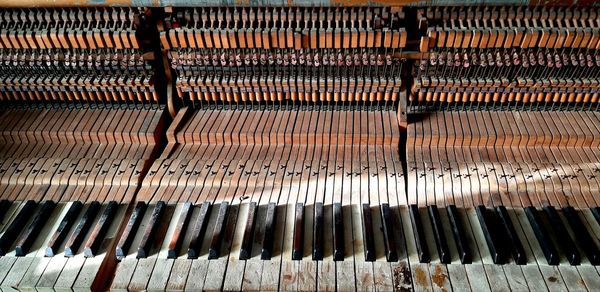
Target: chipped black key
338,232
516,248
63,229
246,248
199,230
584,239
419,234
267,244
317,244
130,230
298,242
92,246
459,235
82,228
33,229
150,230
491,234
389,239
438,234
561,235
16,226
178,235
215,244
542,235
368,235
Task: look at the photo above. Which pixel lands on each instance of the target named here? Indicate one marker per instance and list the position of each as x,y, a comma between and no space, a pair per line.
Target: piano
306,145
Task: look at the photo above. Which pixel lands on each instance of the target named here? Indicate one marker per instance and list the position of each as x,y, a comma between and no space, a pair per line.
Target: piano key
584,239
4,206
150,230
63,229
267,244
338,232
516,248
298,241
199,231
542,236
419,234
30,234
246,248
317,242
82,228
368,236
130,230
178,236
438,234
562,236
389,238
459,235
16,226
96,238
217,236
596,212
491,234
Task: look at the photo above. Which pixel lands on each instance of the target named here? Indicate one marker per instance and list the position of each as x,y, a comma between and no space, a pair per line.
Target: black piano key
150,230
33,229
491,234
130,230
215,244
4,206
94,242
82,228
596,213
246,248
368,235
338,232
199,230
298,242
459,235
516,248
438,234
566,243
16,226
317,244
389,239
63,229
542,236
267,244
582,235
419,234
178,235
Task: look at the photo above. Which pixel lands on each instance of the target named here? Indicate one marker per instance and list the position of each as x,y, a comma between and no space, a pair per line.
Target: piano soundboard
306,146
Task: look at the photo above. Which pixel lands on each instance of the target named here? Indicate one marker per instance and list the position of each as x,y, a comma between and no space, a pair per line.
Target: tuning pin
590,62
466,63
597,60
582,61
388,60
457,61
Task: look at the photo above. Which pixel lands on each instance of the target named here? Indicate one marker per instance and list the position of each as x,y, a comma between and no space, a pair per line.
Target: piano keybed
352,147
